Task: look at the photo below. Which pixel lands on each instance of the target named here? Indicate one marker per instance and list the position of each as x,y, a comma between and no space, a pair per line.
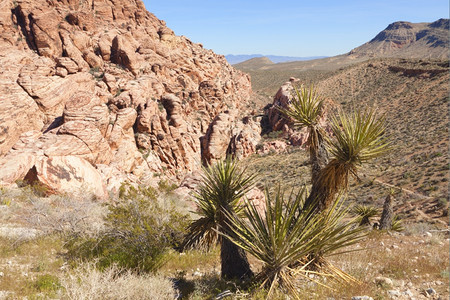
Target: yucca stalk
287,236
218,195
358,138
305,110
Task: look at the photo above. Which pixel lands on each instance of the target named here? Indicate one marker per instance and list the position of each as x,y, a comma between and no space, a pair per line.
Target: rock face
239,139
105,83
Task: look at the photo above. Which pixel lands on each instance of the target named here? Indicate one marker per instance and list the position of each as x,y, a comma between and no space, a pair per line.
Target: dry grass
35,267
87,282
30,268
288,169
192,261
411,262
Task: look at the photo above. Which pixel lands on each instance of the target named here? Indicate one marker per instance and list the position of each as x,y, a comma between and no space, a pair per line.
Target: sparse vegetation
138,232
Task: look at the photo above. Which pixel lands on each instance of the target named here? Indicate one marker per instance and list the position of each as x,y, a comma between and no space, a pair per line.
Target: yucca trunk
318,156
234,261
387,214
325,187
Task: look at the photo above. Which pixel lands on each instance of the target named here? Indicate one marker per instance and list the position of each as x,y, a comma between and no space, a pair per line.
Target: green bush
137,234
47,283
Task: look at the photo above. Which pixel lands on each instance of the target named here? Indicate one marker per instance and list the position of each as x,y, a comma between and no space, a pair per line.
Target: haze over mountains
235,59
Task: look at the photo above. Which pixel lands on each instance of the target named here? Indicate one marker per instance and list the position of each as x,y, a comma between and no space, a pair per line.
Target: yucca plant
285,236
218,196
305,110
397,224
358,138
365,213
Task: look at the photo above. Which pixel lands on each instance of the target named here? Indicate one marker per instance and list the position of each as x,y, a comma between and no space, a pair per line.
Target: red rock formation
107,82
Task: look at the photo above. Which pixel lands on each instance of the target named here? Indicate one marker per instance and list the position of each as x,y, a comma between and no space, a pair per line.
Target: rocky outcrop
228,135
108,84
282,99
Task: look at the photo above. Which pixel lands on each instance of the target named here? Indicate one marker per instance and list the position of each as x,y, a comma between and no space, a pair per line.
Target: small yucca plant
364,213
397,224
305,108
285,238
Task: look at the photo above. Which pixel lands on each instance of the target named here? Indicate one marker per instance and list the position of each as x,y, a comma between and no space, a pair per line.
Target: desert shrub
87,282
166,187
138,231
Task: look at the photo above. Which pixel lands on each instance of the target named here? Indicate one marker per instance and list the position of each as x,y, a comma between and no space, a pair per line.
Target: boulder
123,52
67,174
15,167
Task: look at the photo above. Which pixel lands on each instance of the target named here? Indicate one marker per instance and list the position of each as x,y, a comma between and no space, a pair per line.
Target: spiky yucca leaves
222,186
358,138
305,110
218,196
286,236
364,213
397,224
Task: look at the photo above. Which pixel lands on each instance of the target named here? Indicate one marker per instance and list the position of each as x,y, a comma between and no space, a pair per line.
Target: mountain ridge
238,58
408,40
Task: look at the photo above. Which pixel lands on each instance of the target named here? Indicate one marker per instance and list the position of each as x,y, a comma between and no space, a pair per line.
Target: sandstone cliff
105,87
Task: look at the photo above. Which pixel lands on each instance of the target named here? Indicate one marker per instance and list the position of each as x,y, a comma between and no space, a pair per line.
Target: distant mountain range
235,59
399,40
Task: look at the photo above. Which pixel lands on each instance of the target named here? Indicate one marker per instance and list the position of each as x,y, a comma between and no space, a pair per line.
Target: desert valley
136,164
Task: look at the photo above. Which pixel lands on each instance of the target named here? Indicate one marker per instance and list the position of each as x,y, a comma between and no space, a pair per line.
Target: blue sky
289,27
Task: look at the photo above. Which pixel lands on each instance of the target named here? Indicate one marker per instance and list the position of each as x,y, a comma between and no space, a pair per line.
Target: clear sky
289,27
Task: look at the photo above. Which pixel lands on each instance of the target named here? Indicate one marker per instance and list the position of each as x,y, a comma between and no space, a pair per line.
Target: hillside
399,39
409,40
255,63
413,96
